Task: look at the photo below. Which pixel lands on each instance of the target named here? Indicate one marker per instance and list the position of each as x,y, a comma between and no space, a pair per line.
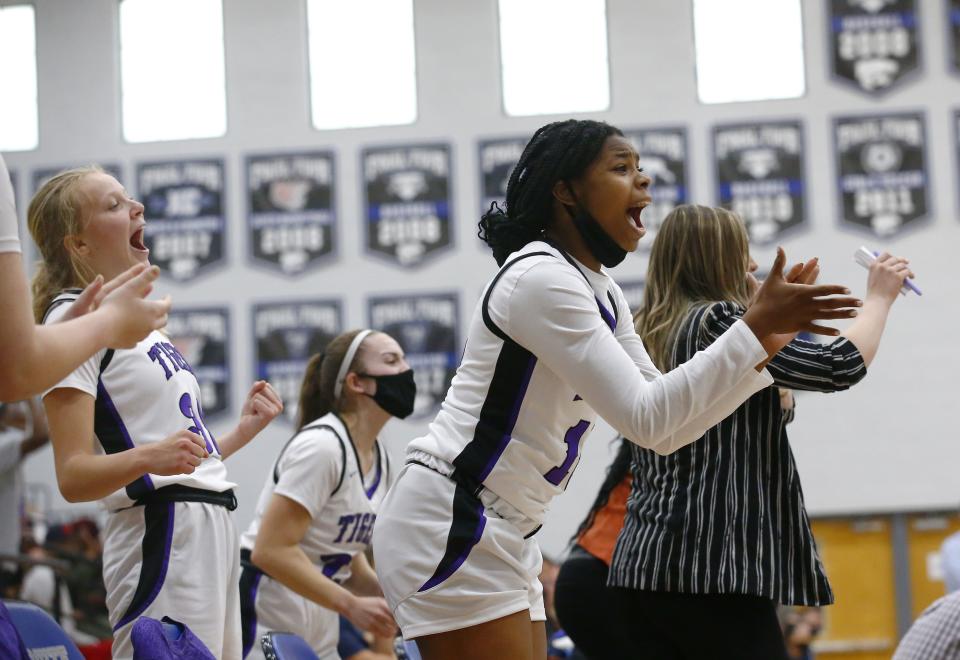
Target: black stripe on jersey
113,436
466,528
379,473
616,309
155,549
486,298
499,412
343,452
65,296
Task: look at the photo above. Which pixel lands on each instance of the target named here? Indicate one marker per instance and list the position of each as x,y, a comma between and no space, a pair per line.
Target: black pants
584,607
673,626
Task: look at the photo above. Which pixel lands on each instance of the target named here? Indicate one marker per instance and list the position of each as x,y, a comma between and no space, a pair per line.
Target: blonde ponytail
53,215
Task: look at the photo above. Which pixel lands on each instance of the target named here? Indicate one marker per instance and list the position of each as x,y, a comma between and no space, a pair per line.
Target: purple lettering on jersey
366,526
176,356
357,518
195,415
572,439
344,523
171,355
156,355
333,563
368,537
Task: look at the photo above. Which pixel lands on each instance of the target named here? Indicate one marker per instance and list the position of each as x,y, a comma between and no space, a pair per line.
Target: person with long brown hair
716,533
303,554
114,314
170,545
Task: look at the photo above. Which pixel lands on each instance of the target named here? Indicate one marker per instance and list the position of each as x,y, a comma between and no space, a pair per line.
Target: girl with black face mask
551,346
303,555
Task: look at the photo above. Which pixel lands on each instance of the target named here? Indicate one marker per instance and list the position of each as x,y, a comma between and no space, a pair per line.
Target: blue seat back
43,637
410,647
286,646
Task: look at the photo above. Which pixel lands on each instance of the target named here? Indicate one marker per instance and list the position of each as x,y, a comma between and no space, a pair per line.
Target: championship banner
953,7
186,222
874,43
426,327
286,336
633,292
202,337
290,211
41,175
497,159
881,164
663,156
407,201
760,176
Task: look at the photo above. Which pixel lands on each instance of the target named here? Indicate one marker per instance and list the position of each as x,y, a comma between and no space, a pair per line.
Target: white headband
347,360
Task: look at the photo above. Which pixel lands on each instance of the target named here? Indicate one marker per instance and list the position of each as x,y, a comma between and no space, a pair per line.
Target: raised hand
181,453
89,299
782,306
261,406
886,276
123,300
372,614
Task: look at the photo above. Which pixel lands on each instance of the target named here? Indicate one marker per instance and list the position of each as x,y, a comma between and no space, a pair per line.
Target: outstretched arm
886,276
551,313
33,359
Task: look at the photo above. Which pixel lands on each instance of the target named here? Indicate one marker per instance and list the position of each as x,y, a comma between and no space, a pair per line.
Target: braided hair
560,151
618,469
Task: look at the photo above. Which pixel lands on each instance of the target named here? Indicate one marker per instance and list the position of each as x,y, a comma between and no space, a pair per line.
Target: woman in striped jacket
716,534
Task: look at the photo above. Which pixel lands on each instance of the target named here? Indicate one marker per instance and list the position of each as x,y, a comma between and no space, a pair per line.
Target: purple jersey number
333,563
194,413
572,439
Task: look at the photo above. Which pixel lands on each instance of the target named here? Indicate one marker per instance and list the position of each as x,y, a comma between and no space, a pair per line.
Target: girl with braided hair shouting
551,346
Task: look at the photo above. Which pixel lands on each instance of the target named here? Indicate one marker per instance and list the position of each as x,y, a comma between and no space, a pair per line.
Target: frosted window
172,70
748,50
553,56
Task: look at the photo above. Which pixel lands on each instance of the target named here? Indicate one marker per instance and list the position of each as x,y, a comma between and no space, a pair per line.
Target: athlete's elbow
74,492
261,556
651,442
15,384
664,448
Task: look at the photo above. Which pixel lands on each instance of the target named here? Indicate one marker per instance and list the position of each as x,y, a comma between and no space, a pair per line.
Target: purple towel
152,642
11,646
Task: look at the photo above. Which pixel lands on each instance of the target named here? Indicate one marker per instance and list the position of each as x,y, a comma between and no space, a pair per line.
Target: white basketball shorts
176,559
447,560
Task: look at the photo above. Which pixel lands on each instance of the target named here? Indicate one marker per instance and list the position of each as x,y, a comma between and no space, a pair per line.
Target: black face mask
605,249
396,393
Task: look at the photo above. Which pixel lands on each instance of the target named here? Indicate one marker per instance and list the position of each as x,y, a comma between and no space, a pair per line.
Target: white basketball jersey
319,469
143,395
551,344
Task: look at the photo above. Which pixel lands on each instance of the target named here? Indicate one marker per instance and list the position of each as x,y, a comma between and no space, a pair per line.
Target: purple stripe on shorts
464,553
145,565
252,627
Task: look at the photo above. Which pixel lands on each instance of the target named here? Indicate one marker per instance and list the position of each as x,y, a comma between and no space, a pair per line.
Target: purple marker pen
907,283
